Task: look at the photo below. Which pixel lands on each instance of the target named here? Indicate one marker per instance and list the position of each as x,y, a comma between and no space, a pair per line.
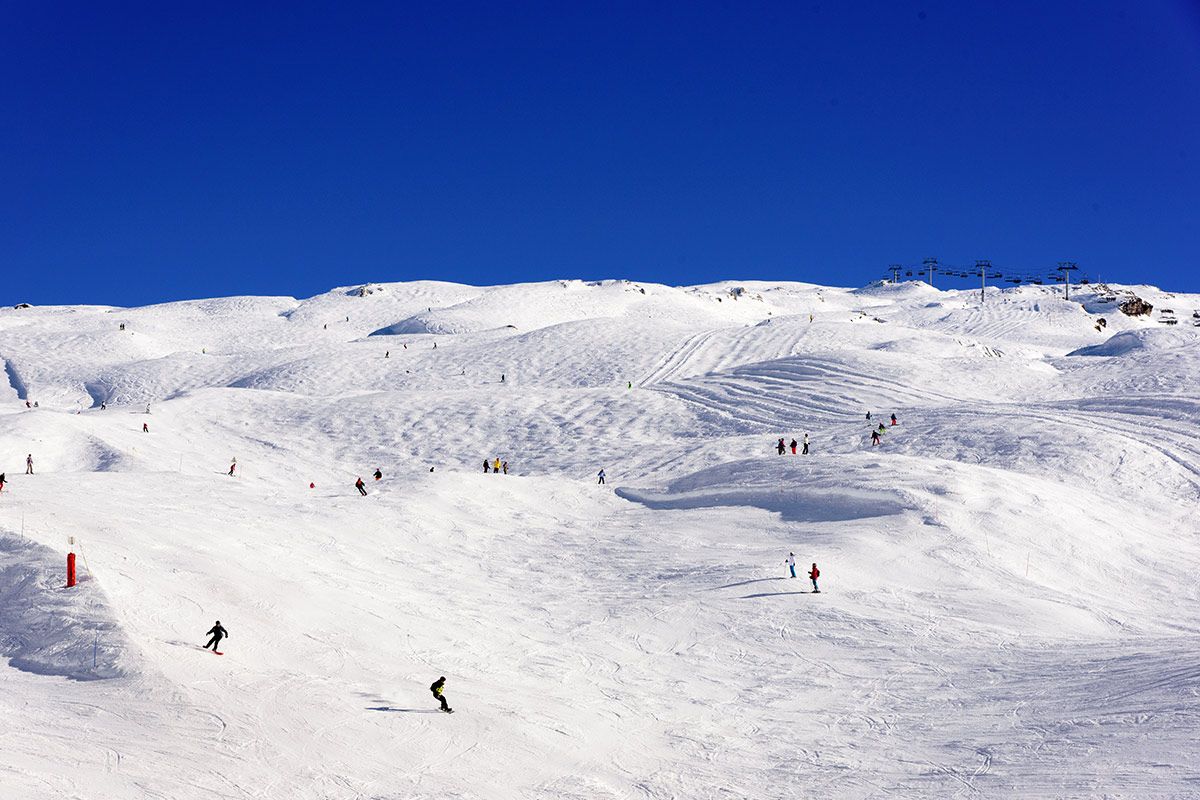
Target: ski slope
1009,604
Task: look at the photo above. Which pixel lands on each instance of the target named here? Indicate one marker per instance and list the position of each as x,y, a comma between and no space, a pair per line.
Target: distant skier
502,377
496,467
893,419
791,562
504,466
233,466
486,467
600,475
804,452
28,404
813,574
378,474
781,447
868,415
629,384
145,428
217,632
387,353
362,489
147,409
874,438
437,687
2,479
793,447
29,464
882,429
103,406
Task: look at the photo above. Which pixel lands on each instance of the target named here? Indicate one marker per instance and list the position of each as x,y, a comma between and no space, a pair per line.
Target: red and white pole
70,570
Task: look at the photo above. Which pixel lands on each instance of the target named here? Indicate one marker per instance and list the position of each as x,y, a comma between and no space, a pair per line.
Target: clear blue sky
164,151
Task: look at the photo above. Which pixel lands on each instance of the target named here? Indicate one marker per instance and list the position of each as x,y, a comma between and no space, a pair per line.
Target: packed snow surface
1009,602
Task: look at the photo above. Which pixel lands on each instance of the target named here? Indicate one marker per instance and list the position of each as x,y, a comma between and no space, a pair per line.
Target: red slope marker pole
70,570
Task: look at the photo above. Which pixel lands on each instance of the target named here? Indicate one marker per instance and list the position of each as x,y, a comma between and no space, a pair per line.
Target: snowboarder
217,632
437,687
233,466
791,562
29,464
378,474
600,475
145,428
813,574
793,447
874,438
804,451
504,466
496,467
893,419
781,447
362,489
486,467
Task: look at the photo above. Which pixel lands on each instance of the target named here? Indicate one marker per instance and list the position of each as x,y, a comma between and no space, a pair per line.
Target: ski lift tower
982,268
895,268
1065,268
931,265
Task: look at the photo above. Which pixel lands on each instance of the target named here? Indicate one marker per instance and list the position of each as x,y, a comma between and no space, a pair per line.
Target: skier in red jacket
813,574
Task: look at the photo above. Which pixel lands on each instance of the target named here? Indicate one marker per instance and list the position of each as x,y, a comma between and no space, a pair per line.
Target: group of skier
781,448
495,467
813,573
877,433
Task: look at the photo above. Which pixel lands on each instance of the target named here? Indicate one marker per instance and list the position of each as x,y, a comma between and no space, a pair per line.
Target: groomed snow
1009,602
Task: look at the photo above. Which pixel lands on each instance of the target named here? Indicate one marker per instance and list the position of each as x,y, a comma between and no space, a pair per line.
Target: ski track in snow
1008,605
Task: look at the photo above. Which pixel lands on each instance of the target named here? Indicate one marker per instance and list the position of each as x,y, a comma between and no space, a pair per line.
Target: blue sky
160,151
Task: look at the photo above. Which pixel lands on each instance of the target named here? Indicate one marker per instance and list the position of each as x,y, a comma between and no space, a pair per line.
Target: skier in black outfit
218,633
358,484
378,475
436,688
781,447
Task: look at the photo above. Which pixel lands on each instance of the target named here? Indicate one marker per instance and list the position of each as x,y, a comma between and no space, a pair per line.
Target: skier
437,687
218,633
813,574
504,466
629,384
791,562
874,438
2,481
600,475
233,466
893,419
502,377
781,446
29,464
378,474
387,353
496,467
881,428
486,467
868,415
28,404
358,484
103,406
804,452
145,428
793,447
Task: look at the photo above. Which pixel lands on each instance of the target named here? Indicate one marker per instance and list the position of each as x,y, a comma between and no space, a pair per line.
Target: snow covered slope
1009,604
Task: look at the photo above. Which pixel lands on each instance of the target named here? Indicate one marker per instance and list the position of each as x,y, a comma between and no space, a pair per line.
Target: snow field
1008,601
